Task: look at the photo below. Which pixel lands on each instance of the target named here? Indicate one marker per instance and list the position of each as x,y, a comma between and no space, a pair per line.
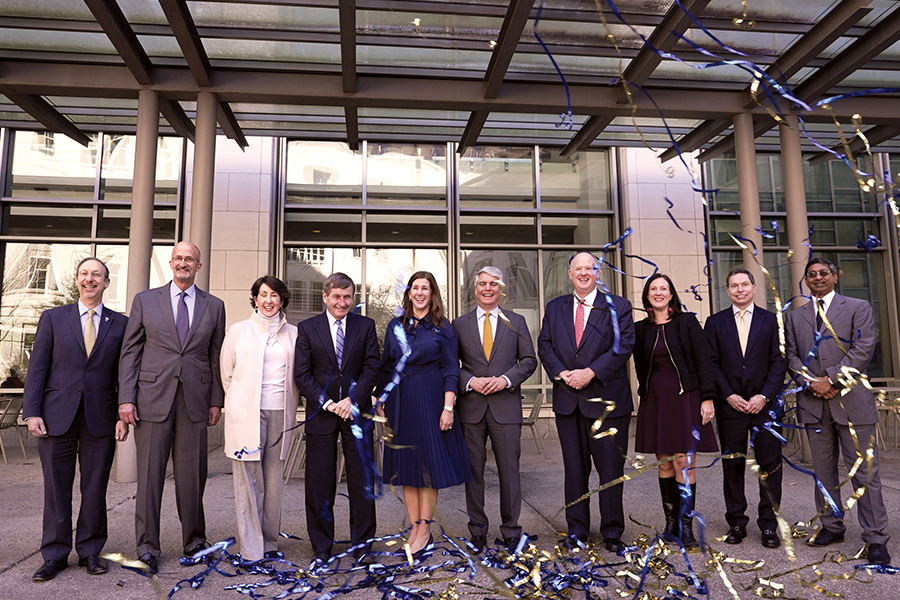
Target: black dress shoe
49,569
273,555
770,539
95,565
150,560
735,535
613,545
825,538
878,554
571,542
479,542
511,543
196,549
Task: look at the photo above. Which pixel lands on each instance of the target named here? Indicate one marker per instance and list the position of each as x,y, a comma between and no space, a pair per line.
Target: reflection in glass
387,271
323,173
35,277
305,271
322,227
578,231
580,181
117,168
497,229
497,176
521,294
51,165
406,228
407,174
48,220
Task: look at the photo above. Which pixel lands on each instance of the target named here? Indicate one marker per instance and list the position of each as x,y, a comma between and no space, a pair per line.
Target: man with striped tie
335,367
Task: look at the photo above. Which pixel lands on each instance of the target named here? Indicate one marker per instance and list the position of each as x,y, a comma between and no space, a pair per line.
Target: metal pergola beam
182,23
230,126
116,27
875,135
48,116
177,118
473,128
351,122
701,134
507,41
347,16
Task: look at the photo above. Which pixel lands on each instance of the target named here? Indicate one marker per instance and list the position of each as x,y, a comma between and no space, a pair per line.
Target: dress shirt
493,315
827,298
332,328
748,315
588,306
83,311
189,299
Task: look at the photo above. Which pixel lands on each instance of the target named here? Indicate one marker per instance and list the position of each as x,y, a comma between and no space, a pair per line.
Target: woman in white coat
257,364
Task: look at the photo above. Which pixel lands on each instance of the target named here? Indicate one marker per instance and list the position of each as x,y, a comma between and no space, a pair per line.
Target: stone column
795,202
748,199
204,178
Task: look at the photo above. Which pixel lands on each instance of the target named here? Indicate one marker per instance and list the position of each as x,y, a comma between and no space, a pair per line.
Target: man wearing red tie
585,355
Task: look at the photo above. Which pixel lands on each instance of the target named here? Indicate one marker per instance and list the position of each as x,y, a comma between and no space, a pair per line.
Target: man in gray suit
497,355
170,390
830,404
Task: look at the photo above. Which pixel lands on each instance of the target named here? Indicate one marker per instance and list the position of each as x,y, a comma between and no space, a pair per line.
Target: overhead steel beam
875,135
726,144
116,27
347,16
663,39
507,41
351,120
799,55
49,117
473,128
182,23
230,126
177,118
701,134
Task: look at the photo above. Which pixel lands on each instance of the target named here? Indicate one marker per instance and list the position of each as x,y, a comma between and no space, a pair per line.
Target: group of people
169,370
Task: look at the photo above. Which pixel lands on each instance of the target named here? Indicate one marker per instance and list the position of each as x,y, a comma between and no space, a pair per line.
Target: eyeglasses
822,273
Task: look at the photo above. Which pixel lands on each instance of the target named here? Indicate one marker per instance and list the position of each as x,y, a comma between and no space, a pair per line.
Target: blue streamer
566,117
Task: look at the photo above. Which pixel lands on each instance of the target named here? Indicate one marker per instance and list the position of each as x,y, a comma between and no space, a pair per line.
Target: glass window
322,227
580,181
406,227
41,220
404,175
576,231
491,176
323,173
115,222
50,165
305,271
497,229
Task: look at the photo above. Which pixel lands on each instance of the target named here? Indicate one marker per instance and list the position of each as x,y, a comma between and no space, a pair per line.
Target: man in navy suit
743,341
577,346
70,405
336,348
497,356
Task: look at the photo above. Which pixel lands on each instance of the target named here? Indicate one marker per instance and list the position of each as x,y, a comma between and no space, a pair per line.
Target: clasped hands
751,406
822,388
487,385
342,408
577,379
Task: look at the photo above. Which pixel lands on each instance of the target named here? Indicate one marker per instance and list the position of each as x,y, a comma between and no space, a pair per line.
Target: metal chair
10,418
532,420
887,411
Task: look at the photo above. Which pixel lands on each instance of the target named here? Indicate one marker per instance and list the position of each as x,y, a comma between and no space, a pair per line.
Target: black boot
671,501
687,523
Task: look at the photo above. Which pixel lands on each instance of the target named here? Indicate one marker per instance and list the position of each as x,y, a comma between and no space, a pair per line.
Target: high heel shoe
418,554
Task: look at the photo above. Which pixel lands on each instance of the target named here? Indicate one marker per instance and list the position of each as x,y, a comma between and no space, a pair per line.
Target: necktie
182,322
579,322
339,345
90,332
819,314
487,338
743,331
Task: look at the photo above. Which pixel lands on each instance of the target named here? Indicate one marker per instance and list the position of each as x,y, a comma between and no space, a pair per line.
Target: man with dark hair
744,347
840,333
577,346
170,389
70,406
336,366
497,356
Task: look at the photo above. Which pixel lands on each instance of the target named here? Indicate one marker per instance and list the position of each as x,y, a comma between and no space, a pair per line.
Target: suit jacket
60,373
556,347
758,371
852,321
512,355
153,361
315,361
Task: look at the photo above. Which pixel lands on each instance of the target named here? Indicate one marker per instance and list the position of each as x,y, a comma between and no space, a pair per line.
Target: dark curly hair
275,284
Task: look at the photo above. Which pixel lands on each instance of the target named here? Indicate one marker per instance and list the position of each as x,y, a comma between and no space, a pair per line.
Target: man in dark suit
835,399
744,346
577,346
336,348
70,404
170,389
497,356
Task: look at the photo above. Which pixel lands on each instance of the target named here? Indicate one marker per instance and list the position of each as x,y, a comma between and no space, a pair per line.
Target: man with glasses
171,391
584,344
830,343
497,356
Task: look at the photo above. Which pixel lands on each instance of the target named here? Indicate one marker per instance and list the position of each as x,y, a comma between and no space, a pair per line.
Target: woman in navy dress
427,451
677,386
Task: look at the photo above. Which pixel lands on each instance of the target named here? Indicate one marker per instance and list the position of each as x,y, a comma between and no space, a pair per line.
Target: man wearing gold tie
497,356
70,405
743,341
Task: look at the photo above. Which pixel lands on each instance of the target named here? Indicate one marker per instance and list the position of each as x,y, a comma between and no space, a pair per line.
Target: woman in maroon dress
677,386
